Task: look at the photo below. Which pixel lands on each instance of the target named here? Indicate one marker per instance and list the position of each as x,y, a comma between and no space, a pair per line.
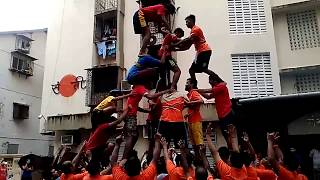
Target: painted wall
275,3
212,17
292,58
69,51
17,88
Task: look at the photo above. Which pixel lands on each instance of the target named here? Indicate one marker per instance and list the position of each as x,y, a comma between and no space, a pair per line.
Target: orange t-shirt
148,174
172,106
195,115
266,174
252,173
285,174
177,173
229,173
200,42
72,176
98,177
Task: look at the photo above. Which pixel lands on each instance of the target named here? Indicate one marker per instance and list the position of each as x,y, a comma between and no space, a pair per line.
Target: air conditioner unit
67,140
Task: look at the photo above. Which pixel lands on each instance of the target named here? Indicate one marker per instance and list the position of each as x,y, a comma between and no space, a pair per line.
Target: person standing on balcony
201,62
156,13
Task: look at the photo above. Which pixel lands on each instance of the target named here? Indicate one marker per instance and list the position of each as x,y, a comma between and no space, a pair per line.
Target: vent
247,16
308,82
303,30
252,75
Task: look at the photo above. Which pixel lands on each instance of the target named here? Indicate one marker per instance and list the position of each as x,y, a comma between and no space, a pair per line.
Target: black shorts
226,121
201,62
139,22
152,128
173,131
130,127
171,62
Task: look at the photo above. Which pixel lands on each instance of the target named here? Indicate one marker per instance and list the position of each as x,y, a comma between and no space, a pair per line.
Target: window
303,30
13,149
51,151
20,111
252,76
22,63
309,82
23,43
247,16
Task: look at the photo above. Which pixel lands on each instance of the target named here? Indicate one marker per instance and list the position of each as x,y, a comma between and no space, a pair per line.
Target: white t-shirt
315,155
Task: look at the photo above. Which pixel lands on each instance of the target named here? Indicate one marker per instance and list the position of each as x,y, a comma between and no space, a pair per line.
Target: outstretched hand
163,142
273,137
245,137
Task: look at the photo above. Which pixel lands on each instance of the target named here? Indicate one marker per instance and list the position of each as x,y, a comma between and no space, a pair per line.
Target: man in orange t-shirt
132,167
172,124
201,62
237,170
194,117
284,173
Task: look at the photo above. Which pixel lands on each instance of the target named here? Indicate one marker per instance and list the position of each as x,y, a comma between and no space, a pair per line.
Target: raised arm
76,159
233,138
250,147
165,148
121,97
115,152
271,154
156,95
211,146
184,162
157,149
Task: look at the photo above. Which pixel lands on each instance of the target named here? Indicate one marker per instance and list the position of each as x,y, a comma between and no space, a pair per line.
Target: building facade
255,50
22,55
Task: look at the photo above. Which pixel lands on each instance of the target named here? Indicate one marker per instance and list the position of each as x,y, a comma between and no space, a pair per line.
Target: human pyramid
168,125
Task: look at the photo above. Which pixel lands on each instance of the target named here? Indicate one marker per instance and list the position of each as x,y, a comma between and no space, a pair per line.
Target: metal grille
303,30
247,16
252,76
89,88
156,35
105,5
308,82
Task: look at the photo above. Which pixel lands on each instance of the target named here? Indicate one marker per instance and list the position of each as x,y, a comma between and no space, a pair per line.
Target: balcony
278,5
100,81
103,6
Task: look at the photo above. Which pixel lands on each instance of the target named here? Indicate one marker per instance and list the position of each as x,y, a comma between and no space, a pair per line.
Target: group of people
170,130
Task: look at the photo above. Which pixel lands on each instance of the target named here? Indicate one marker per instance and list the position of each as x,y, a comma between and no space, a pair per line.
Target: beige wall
212,16
69,51
292,58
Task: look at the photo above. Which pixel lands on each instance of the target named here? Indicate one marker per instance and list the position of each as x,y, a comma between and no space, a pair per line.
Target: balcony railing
105,5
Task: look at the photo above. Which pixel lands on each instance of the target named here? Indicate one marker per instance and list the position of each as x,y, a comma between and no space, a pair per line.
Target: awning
68,122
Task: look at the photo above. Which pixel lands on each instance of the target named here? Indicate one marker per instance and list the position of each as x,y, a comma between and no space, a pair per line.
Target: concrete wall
17,88
212,16
69,51
275,3
292,58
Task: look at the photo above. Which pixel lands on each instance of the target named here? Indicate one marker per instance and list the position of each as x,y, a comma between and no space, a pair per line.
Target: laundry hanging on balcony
102,49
